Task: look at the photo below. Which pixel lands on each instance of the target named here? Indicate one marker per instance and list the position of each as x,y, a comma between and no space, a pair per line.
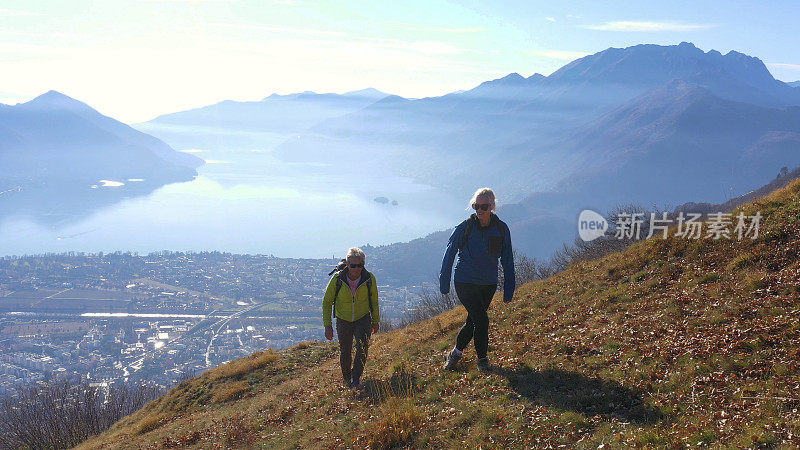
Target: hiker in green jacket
352,294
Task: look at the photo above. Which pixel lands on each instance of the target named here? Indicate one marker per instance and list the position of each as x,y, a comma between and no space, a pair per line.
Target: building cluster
158,318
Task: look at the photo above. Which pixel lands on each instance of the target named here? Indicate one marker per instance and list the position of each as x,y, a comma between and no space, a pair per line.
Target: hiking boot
355,384
452,360
483,365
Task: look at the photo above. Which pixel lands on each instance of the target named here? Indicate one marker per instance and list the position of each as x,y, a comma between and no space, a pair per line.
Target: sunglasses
481,206
356,266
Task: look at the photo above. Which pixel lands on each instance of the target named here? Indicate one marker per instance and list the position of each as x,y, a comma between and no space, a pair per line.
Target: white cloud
10,98
422,47
15,13
436,29
185,1
463,30
550,19
649,26
784,66
51,36
18,51
282,30
558,54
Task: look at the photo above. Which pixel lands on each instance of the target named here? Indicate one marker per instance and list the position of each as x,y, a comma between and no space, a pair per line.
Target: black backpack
467,230
471,223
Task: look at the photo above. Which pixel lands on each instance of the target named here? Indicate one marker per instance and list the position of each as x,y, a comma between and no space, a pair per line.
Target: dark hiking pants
476,299
358,331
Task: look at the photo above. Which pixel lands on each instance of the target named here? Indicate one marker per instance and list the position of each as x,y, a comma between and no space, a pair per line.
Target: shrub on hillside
62,414
431,304
603,246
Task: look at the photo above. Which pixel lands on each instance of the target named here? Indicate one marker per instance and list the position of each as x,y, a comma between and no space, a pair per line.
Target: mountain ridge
359,97
661,130
55,148
544,109
537,139
515,135
252,123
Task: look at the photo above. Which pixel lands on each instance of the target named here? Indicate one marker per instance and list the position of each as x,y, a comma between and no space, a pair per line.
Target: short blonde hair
483,192
356,252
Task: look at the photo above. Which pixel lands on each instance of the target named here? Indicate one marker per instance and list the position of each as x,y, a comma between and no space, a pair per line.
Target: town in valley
157,318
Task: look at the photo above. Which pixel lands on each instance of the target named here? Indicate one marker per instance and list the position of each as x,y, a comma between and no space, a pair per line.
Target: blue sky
135,59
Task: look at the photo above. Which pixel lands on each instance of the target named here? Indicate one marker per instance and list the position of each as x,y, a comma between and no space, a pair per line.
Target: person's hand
329,332
375,327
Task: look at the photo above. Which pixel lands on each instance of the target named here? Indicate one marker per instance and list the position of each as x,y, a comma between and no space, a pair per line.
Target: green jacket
347,307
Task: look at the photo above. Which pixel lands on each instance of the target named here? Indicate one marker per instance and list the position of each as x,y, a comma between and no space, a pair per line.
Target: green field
68,299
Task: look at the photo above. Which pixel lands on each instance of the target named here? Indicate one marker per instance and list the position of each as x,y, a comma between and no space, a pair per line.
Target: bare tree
386,325
525,270
63,413
431,304
613,241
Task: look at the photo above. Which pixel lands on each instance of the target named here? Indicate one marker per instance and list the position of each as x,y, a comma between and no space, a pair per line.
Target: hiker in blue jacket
479,241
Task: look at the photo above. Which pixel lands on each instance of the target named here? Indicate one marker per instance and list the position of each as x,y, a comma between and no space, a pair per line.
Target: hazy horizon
137,60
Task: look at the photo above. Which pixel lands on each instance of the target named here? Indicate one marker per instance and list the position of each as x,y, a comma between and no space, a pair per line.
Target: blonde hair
483,192
356,252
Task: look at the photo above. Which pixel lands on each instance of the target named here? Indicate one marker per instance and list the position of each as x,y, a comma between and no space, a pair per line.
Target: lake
244,200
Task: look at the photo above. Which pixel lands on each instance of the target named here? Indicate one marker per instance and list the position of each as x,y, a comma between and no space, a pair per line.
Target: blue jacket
478,254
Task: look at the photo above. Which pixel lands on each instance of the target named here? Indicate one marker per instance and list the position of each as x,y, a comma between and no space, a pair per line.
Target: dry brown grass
631,350
230,391
396,424
149,423
244,365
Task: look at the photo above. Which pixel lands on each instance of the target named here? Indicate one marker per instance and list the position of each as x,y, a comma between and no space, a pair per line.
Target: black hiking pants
348,332
476,299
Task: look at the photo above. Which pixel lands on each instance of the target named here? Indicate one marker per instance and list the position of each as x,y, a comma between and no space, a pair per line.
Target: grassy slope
669,343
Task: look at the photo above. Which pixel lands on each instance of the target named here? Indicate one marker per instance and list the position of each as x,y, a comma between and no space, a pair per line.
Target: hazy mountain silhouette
671,144
648,65
510,132
53,149
647,123
231,123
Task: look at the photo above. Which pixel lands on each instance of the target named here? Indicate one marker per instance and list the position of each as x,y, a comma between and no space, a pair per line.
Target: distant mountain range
54,149
671,144
232,123
518,133
644,124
